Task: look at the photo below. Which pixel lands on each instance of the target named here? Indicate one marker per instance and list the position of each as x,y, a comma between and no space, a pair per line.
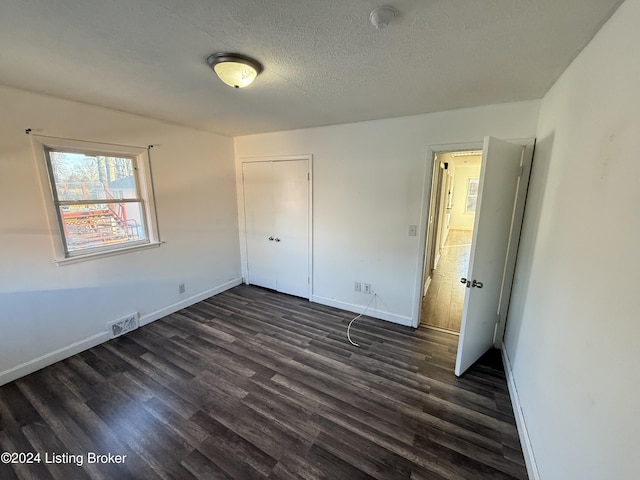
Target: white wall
461,220
573,330
368,188
49,311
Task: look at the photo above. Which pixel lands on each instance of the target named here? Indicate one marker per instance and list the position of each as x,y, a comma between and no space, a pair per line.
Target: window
472,195
102,200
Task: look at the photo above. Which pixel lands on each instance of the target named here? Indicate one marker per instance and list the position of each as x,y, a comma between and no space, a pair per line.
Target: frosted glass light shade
235,70
235,74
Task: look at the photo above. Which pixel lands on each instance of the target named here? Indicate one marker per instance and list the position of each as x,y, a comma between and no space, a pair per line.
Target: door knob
277,239
464,280
271,239
477,284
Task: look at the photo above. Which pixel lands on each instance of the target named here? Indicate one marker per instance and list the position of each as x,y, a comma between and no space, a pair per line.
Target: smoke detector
381,17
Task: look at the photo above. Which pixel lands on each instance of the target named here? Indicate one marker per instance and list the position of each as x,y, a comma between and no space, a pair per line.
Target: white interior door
276,202
259,223
498,187
449,205
291,226
440,205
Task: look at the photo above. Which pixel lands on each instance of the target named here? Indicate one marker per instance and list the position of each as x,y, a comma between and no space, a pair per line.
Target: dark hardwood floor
255,384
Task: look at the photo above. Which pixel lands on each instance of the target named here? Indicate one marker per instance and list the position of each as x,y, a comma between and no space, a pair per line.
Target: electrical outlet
357,286
367,288
181,288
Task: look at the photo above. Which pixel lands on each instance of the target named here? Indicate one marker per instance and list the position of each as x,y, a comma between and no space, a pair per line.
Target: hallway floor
442,305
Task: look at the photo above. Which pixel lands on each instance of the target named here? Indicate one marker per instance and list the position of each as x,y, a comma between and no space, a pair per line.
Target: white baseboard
426,286
436,259
45,360
187,302
527,448
372,312
65,352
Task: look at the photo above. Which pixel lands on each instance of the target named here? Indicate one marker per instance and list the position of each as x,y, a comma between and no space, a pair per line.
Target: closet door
259,219
291,226
276,196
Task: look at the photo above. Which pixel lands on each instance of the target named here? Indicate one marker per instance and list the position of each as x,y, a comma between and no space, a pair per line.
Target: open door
502,176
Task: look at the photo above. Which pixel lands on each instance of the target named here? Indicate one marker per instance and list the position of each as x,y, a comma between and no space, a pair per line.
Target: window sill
97,255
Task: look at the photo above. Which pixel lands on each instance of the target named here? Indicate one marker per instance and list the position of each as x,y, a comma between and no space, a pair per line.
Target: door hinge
521,171
308,176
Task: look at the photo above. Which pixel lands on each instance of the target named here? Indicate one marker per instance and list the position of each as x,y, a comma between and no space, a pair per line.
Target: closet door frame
242,217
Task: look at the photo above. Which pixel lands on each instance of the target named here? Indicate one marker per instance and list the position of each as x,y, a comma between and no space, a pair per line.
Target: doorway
500,198
452,216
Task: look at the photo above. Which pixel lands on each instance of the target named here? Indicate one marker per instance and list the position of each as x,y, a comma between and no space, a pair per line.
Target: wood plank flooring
252,384
443,303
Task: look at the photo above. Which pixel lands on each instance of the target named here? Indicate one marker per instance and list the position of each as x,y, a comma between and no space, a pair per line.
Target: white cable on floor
351,322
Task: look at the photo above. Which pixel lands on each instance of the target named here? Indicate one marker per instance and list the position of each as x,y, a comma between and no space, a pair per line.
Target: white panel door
276,198
498,187
291,209
259,218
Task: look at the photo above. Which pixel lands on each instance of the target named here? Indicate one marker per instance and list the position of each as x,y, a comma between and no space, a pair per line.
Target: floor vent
123,325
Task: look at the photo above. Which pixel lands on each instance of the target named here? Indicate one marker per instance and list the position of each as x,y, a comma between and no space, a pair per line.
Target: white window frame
140,159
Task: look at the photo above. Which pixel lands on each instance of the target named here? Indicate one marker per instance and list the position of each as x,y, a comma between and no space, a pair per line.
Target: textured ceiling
324,62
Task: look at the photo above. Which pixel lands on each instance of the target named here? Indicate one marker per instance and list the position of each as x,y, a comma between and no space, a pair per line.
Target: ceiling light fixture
381,17
234,69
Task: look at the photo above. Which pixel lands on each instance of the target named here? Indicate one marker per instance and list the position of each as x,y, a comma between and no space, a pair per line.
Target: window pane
95,225
84,177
